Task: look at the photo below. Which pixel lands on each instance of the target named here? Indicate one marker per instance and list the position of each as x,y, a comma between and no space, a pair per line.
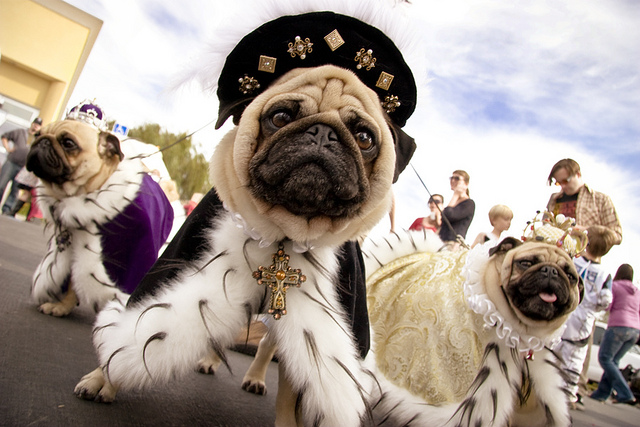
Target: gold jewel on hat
248,84
267,63
390,103
384,81
300,47
334,40
365,59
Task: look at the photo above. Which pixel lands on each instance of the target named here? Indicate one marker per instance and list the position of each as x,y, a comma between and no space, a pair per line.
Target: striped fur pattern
510,388
204,308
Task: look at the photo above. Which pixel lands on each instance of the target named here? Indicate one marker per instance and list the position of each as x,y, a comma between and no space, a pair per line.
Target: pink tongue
548,297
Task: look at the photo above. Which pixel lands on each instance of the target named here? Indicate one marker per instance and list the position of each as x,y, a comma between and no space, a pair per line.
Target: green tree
189,169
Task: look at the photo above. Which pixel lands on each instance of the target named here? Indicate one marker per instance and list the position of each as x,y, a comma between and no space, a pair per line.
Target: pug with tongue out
484,332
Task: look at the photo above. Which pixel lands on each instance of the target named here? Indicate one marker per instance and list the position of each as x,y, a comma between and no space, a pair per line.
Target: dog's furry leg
163,335
94,386
254,379
286,403
548,407
317,352
63,307
209,364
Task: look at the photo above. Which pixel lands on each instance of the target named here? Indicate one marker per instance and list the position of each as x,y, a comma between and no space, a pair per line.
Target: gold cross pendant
279,277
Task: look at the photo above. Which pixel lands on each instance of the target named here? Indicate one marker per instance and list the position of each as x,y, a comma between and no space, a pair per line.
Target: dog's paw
55,309
93,386
254,385
209,364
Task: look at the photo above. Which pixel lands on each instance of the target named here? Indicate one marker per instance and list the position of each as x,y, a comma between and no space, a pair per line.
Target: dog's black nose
549,270
322,135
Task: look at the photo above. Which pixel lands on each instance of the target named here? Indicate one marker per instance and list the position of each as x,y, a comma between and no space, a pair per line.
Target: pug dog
308,168
504,314
106,217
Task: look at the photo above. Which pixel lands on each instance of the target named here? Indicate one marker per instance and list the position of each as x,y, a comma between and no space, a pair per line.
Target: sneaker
628,402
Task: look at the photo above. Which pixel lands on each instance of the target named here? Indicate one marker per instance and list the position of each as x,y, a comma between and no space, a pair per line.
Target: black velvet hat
312,40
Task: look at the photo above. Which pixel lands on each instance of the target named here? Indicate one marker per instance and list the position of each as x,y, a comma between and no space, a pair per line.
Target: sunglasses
455,178
437,202
562,182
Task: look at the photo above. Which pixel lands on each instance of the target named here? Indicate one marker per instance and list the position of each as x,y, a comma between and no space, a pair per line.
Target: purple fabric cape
131,241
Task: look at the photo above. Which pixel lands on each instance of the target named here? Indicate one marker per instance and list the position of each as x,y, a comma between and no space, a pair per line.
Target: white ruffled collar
263,242
479,302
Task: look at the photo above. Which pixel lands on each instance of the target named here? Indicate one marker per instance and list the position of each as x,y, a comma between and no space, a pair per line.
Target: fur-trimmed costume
438,335
307,170
105,241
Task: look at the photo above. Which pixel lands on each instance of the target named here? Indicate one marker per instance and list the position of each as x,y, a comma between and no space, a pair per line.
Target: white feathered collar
479,302
99,206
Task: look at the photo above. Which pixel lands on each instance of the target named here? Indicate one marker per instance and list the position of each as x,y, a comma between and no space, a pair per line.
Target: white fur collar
99,206
263,242
479,302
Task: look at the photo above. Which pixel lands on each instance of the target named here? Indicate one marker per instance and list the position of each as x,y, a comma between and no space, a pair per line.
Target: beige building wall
44,45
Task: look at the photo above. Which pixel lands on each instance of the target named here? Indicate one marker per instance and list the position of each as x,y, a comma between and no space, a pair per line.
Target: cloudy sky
509,89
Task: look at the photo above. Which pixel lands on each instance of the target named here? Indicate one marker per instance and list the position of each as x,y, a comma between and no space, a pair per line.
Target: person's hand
460,189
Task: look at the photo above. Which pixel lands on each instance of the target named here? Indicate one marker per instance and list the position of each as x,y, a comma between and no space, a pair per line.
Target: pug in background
508,313
106,216
306,172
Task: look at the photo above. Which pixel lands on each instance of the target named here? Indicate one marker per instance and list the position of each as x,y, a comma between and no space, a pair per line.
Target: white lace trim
252,233
479,302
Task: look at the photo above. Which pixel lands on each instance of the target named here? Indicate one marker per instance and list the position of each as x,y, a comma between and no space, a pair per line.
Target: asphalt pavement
42,358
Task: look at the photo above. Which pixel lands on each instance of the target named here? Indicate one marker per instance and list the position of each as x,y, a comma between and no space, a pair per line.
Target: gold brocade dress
426,339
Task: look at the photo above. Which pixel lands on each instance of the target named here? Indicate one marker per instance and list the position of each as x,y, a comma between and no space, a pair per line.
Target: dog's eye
525,263
364,140
68,144
281,118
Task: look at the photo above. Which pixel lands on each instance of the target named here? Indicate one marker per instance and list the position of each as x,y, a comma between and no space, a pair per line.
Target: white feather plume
392,17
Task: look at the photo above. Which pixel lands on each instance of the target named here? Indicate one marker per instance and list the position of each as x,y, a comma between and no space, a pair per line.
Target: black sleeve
353,294
185,247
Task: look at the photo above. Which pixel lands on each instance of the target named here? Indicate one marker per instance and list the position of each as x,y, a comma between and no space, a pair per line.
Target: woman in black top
459,212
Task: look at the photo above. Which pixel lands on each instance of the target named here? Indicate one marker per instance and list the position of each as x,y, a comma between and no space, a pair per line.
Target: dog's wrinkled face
313,163
313,155
71,157
535,282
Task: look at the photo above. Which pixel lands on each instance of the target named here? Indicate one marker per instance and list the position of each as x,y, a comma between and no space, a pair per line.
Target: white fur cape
75,248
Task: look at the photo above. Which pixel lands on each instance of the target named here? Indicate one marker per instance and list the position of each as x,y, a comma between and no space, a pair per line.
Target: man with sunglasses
579,201
588,207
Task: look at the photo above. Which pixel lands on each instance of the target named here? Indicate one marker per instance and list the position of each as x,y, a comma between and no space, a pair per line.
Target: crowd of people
594,213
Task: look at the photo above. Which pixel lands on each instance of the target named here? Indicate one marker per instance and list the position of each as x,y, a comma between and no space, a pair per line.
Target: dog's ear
504,246
109,146
405,147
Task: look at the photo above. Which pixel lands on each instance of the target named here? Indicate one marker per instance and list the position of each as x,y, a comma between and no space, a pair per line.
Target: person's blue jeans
617,340
7,174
